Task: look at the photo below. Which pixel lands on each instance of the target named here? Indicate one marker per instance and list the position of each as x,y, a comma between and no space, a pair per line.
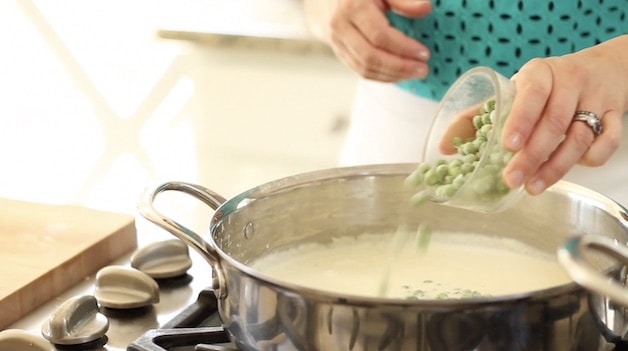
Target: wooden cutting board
46,249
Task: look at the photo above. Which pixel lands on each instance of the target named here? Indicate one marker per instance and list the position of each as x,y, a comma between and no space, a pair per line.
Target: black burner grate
196,327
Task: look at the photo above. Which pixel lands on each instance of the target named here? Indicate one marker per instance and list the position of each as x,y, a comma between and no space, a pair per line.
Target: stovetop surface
125,326
185,304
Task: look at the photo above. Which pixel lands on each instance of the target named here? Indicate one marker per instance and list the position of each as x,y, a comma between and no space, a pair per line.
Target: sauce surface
453,265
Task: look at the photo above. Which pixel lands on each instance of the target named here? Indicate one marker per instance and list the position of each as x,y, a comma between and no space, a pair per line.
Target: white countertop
283,19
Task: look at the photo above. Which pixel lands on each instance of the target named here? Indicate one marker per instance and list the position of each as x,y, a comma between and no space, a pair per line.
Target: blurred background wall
100,99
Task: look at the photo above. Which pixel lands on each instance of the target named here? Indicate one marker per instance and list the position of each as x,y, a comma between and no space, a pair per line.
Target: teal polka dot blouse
504,34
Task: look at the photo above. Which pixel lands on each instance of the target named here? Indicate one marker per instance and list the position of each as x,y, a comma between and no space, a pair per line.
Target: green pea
424,167
489,105
482,148
501,188
442,170
419,198
458,181
496,158
467,168
441,161
478,143
469,148
454,172
469,159
486,119
486,129
478,121
423,237
493,115
482,138
491,169
484,185
415,178
446,191
431,177
455,162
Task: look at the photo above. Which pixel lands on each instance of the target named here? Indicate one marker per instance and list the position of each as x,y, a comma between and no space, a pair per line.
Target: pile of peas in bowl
469,124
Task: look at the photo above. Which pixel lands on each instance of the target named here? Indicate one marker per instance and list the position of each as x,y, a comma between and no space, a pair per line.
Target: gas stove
185,319
185,304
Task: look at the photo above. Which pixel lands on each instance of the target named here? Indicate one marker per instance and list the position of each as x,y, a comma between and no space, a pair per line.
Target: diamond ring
591,119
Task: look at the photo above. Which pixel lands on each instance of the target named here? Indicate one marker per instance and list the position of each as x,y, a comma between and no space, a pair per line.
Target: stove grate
197,326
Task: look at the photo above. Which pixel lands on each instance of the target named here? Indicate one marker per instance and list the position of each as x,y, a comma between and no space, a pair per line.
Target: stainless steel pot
266,314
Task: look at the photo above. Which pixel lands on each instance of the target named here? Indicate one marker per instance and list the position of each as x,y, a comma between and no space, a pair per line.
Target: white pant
390,125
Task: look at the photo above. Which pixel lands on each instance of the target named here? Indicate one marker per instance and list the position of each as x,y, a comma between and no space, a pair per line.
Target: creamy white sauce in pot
454,265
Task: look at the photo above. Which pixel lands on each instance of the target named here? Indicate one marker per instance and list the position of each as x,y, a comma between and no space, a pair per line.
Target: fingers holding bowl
568,152
585,142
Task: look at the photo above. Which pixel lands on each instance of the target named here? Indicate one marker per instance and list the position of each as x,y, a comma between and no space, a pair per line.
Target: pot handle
147,210
582,271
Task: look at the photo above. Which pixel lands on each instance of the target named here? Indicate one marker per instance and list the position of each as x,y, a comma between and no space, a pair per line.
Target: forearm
318,15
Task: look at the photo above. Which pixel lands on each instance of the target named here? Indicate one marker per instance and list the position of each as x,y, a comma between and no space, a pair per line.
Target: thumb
410,8
461,126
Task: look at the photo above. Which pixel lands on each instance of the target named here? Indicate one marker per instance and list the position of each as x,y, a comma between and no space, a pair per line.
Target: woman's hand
362,38
549,91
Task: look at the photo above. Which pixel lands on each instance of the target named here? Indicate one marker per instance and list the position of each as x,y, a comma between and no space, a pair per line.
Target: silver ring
591,119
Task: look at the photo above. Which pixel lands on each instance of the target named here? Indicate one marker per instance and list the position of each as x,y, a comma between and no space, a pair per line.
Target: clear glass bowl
483,189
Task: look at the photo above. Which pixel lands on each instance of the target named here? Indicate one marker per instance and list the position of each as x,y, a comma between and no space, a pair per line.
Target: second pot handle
582,271
147,210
